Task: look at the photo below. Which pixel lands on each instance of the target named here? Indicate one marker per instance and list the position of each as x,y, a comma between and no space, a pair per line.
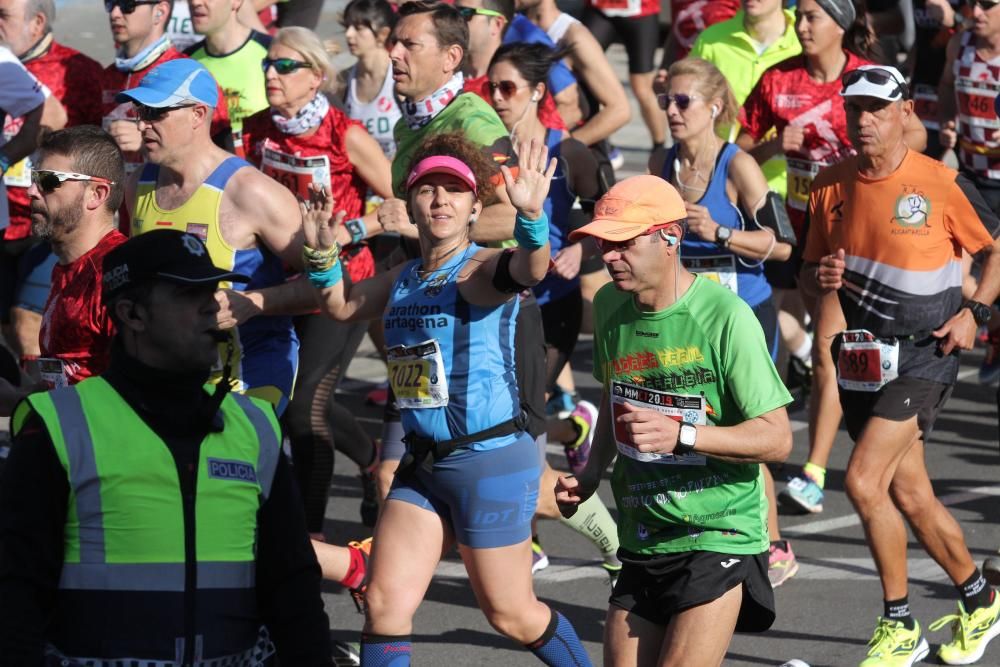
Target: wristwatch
723,235
980,311
686,438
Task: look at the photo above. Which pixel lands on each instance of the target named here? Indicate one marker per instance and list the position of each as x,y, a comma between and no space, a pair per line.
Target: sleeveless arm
946,87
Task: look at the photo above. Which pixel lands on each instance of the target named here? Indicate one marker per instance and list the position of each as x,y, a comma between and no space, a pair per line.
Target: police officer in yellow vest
145,517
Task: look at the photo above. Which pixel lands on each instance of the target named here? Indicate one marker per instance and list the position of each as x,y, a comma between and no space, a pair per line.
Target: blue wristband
531,234
327,278
356,227
4,163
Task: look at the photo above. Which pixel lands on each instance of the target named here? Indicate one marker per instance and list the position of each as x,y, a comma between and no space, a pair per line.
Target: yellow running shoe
970,633
893,645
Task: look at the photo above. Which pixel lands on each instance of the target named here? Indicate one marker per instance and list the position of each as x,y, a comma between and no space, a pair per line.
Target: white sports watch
686,438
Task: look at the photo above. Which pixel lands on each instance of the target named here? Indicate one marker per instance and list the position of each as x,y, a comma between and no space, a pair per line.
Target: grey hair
46,8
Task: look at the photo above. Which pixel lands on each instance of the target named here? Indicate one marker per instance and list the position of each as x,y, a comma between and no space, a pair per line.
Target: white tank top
378,116
558,29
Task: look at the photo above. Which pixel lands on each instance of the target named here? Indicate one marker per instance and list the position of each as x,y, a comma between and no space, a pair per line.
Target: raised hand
317,216
528,191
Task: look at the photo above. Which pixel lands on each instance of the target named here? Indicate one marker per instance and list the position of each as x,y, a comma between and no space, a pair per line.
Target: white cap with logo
879,81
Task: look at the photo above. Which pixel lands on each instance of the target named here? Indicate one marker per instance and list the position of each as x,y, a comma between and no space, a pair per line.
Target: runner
937,21
695,564
584,57
71,78
886,229
689,18
636,24
517,77
78,182
243,217
367,85
735,224
232,52
798,98
450,308
299,141
492,23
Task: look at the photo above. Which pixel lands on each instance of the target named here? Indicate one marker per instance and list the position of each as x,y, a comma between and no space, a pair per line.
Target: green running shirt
239,75
704,359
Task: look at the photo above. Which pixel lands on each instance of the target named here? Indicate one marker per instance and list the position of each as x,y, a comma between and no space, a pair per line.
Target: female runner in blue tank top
471,473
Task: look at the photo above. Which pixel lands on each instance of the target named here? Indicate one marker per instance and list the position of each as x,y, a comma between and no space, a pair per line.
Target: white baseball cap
879,81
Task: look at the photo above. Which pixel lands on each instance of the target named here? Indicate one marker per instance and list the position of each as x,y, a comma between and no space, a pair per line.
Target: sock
899,610
558,646
975,592
593,521
780,544
385,650
815,473
356,570
804,351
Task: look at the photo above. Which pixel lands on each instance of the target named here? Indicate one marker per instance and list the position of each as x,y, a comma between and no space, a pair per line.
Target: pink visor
443,164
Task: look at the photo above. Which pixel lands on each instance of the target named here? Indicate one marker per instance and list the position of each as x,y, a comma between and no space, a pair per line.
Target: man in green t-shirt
692,405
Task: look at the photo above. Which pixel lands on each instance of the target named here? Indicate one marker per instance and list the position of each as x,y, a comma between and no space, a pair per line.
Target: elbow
621,113
782,444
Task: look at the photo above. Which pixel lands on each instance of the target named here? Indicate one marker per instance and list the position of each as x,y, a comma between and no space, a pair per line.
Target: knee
388,612
864,490
514,623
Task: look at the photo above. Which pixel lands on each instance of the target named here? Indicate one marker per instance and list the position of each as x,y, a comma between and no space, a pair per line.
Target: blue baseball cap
172,83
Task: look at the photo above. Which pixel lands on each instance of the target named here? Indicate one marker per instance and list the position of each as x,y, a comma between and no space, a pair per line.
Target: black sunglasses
879,77
283,65
506,88
48,180
986,5
127,6
153,114
682,101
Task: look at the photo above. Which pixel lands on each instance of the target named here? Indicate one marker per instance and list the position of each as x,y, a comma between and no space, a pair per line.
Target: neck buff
841,11
40,48
308,117
144,58
419,113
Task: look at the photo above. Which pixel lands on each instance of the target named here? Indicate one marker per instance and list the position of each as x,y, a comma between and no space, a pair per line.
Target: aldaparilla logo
237,471
912,210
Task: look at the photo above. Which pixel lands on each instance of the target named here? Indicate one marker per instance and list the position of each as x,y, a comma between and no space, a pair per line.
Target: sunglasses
283,65
468,12
879,77
681,100
985,5
506,88
154,114
48,180
607,246
127,6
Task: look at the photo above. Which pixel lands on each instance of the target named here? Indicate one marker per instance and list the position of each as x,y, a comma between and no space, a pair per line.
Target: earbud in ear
534,96
669,238
158,14
715,111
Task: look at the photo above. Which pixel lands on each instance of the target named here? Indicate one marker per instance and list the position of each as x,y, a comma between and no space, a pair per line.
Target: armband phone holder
774,216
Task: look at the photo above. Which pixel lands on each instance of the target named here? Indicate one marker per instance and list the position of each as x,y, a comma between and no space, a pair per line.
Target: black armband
774,216
502,280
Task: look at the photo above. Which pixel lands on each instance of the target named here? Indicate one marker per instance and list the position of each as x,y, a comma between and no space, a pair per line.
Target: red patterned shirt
293,160
76,327
693,16
74,80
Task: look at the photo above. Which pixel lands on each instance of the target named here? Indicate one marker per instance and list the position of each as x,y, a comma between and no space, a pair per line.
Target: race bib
52,372
417,375
296,173
618,7
800,177
720,268
925,105
866,363
975,103
679,407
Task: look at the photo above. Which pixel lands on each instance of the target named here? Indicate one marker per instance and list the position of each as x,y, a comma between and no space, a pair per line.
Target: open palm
527,192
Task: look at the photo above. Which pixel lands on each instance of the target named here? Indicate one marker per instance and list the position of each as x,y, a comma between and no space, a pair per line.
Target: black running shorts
897,401
640,36
656,588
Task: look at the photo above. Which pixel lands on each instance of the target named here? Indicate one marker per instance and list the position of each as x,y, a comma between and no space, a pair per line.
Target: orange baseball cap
631,208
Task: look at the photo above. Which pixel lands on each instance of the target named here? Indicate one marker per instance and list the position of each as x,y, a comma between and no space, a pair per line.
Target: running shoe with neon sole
613,572
970,633
539,561
345,654
358,592
989,371
802,494
781,563
893,645
584,416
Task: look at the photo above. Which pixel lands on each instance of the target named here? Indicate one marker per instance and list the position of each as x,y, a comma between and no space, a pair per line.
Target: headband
841,11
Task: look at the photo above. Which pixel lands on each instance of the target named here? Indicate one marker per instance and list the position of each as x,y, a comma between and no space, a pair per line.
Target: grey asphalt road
826,614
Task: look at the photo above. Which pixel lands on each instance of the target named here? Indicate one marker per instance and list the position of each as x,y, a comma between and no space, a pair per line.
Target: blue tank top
557,207
476,346
711,260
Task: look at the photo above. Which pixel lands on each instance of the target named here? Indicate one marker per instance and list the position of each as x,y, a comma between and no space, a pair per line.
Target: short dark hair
457,145
93,153
371,14
505,7
449,27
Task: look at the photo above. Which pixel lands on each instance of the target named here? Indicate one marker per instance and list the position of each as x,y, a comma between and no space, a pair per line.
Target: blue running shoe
560,403
802,494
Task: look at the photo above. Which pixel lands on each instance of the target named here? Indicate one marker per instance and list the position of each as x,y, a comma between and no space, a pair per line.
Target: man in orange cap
692,405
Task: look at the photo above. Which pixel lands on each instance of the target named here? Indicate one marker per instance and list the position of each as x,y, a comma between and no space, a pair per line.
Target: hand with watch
653,432
959,332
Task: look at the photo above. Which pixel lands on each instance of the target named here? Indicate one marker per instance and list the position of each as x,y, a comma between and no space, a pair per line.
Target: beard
45,223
